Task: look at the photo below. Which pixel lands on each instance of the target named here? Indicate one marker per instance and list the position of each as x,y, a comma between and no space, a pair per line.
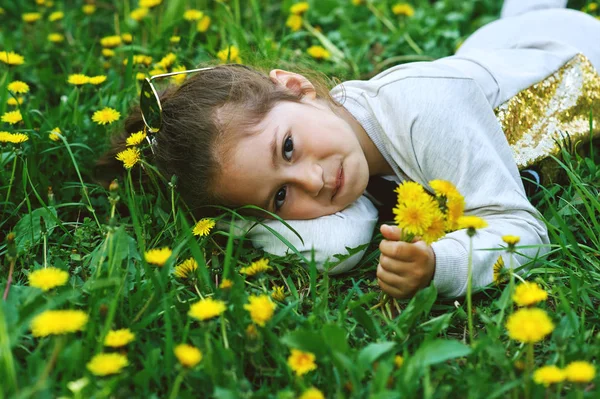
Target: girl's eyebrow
274,149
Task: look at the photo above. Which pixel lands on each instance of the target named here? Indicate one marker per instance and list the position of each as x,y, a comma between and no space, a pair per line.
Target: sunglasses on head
150,101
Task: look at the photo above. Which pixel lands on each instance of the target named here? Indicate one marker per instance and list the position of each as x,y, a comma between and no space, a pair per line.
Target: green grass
340,320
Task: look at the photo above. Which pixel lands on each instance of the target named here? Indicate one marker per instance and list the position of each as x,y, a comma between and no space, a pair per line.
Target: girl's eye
288,148
280,198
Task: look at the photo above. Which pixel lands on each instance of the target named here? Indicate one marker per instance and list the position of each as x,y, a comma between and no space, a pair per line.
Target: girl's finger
393,233
389,277
390,290
397,250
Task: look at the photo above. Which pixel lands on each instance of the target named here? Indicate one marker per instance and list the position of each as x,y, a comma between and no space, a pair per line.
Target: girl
234,136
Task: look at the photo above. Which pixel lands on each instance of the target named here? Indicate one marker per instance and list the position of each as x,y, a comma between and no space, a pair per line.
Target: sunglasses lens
150,107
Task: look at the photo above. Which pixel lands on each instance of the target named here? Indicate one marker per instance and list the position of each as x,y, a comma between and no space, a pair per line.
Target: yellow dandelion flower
278,293
12,117
471,222
127,38
157,71
410,191
136,138
150,3
130,157
108,52
500,273
580,371
259,266
203,227
207,308
88,9
185,268
96,80
157,256
54,134
48,278
14,138
140,76
511,240
106,116
192,15
18,138
456,207
178,79
231,53
78,79
107,363
15,101
175,39
312,393
226,284
398,361
11,58
188,355
203,24
301,362
141,59
527,294
318,52
294,22
118,338
529,325
437,228
547,375
57,322
167,60
111,41
18,87
403,9
31,17
56,16
299,8
56,38
261,309
138,14
413,217
443,188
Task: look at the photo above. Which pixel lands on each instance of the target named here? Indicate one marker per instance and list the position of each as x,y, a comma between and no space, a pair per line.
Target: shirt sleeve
327,235
454,136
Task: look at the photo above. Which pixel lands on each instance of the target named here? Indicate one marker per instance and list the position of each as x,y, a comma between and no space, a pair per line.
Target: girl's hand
404,268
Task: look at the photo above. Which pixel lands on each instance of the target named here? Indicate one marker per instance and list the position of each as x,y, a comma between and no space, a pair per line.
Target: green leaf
308,341
28,230
372,352
335,338
438,351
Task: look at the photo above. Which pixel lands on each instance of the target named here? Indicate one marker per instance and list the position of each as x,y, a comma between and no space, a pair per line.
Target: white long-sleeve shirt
435,120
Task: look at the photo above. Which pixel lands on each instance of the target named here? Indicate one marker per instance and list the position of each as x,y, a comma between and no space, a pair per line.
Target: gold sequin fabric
551,111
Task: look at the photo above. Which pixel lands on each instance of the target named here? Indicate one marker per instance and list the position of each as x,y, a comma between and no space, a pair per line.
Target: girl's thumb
391,232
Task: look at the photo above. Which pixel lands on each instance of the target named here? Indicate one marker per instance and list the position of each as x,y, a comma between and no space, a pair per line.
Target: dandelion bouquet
421,214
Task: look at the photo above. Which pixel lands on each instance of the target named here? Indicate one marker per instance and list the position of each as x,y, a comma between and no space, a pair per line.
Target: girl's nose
310,178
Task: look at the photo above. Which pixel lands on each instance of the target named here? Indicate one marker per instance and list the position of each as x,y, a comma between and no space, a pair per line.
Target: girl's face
305,162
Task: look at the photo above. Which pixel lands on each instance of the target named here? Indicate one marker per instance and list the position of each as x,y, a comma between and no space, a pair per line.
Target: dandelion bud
114,186
51,201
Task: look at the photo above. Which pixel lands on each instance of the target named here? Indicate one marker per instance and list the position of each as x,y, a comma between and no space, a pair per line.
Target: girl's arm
459,139
327,235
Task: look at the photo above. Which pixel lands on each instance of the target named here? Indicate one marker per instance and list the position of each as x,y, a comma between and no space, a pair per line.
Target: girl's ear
294,82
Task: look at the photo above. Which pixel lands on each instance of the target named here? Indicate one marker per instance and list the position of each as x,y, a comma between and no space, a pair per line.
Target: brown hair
200,118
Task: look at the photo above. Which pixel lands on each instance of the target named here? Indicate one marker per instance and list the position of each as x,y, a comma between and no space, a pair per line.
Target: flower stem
10,182
177,384
528,370
470,289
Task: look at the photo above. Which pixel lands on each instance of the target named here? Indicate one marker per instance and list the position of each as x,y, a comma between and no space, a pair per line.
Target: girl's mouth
339,182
